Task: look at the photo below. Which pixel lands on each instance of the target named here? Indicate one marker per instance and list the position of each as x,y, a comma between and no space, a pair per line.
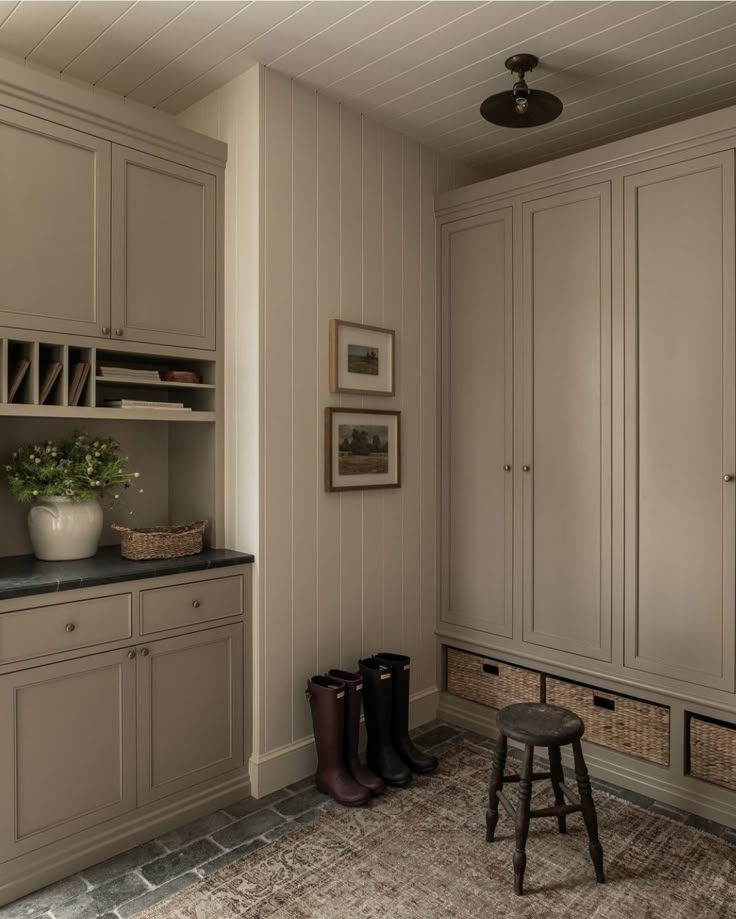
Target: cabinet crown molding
104,115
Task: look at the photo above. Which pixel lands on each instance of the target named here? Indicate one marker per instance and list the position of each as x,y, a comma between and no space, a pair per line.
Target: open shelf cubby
53,378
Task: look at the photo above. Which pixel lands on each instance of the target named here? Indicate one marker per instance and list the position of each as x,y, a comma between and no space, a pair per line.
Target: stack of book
130,375
145,403
49,378
77,381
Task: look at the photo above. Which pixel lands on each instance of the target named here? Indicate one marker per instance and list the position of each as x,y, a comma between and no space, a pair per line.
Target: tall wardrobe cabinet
588,418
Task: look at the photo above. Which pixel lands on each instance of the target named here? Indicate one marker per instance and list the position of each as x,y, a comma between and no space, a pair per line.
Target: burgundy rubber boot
327,698
353,702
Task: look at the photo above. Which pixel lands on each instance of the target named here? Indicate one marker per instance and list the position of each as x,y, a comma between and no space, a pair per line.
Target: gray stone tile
715,829
147,900
102,899
633,797
41,901
306,782
179,862
478,739
664,810
197,829
298,803
437,735
310,816
729,835
232,856
121,864
248,828
250,805
277,832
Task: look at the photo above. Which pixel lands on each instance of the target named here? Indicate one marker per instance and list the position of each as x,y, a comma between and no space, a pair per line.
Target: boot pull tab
358,687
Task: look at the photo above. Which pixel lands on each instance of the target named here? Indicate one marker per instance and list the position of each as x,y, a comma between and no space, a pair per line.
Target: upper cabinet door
566,405
54,227
679,291
477,419
163,237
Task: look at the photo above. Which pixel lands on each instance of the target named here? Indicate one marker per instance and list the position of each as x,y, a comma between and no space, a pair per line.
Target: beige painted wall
348,231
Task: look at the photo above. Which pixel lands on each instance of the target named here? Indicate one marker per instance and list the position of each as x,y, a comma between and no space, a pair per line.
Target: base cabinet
67,761
71,731
190,710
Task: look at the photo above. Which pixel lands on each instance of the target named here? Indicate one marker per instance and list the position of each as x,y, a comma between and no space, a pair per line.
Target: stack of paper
145,403
130,375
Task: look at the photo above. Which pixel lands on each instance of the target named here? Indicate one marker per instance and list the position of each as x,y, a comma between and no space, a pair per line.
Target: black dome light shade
521,107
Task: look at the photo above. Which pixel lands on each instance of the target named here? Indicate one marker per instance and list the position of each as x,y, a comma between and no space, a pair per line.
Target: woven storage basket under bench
712,748
490,682
618,722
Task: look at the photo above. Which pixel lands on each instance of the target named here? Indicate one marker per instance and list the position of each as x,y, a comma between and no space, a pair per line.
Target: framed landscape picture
362,449
361,359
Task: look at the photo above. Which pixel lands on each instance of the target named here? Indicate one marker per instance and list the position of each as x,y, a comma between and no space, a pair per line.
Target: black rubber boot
416,759
378,705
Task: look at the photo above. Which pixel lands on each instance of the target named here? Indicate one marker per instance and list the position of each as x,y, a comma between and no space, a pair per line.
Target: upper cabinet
680,450
566,407
54,227
163,243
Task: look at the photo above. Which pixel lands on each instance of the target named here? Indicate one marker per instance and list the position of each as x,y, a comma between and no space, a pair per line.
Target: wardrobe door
566,404
680,464
477,504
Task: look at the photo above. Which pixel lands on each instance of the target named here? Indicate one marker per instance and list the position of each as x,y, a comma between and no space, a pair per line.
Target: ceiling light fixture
521,107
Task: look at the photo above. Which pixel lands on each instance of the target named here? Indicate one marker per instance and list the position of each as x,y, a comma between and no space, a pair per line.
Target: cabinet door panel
163,271
679,222
477,422
190,710
54,227
67,760
567,421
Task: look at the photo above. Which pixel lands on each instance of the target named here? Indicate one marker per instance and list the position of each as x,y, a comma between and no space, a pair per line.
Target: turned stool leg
557,777
589,815
522,819
496,784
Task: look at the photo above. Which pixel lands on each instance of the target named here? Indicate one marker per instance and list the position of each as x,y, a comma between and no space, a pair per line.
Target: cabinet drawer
713,751
619,722
187,604
64,627
490,682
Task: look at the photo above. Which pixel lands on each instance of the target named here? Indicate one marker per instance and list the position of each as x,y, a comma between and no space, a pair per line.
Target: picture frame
362,449
362,359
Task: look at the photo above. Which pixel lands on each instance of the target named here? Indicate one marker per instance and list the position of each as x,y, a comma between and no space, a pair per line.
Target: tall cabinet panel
566,403
54,227
680,462
163,268
477,419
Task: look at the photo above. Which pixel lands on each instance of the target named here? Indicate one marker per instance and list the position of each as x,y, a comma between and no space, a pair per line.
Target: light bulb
521,103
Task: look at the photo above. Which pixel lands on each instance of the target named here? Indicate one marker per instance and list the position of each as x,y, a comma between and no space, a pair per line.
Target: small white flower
116,497
140,491
35,492
136,475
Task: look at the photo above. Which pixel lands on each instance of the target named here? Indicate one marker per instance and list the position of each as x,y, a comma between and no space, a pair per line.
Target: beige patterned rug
420,853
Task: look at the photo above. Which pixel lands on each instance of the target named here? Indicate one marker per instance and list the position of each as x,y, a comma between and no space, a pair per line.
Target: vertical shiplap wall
348,231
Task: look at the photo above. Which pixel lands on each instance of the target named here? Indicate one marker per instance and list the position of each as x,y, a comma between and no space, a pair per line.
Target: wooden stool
539,725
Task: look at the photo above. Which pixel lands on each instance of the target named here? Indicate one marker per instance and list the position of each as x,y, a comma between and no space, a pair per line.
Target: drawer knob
196,604
507,468
105,330
70,627
526,468
728,478
119,333
144,652
131,655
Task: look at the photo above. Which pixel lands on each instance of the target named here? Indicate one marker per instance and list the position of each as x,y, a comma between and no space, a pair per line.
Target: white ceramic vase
62,529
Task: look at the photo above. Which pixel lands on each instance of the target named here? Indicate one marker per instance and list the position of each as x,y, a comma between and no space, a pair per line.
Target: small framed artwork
361,359
362,449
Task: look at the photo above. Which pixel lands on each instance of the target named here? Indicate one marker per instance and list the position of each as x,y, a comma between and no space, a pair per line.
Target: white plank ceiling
421,67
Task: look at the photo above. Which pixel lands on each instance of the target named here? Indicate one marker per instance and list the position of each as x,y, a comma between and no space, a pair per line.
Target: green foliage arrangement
80,468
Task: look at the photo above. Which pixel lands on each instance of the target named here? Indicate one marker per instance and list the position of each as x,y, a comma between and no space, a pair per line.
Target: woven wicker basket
713,752
490,682
161,542
619,722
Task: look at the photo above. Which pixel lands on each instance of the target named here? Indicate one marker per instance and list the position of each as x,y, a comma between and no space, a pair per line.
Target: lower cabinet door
190,710
67,757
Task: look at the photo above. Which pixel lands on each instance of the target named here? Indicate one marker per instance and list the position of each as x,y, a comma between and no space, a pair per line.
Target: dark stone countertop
25,575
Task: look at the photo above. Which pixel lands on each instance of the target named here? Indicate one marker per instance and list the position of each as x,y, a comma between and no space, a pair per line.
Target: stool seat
539,724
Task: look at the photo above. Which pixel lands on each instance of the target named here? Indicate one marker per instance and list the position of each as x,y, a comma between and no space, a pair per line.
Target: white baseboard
60,859
616,768
278,768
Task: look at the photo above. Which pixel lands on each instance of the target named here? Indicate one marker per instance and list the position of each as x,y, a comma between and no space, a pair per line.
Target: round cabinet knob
196,604
728,478
507,468
131,655
119,333
526,468
144,652
105,330
70,627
